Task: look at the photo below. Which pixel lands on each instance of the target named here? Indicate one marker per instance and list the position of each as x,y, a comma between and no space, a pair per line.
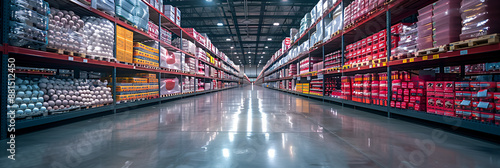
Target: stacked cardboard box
425,27
165,36
316,87
333,87
153,30
446,22
408,92
346,87
145,85
124,45
481,18
333,60
146,55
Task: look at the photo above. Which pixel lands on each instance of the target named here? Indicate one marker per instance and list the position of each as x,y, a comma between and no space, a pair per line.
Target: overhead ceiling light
218,24
269,39
235,52
266,47
261,56
228,39
249,52
276,23
249,57
263,52
232,47
237,57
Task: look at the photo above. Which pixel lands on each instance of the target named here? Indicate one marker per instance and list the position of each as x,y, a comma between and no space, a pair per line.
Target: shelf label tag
378,64
134,67
424,58
338,70
384,64
308,78
412,59
371,66
405,61
85,60
464,52
70,58
435,56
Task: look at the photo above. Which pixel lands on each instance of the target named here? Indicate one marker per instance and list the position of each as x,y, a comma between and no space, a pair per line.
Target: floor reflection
248,128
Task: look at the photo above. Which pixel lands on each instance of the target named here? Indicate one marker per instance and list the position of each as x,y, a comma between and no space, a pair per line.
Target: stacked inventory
407,45
189,65
332,87
188,84
446,22
201,54
425,27
304,24
357,88
359,9
124,45
480,17
134,11
292,70
318,66
381,98
165,36
169,85
306,65
408,92
153,30
201,68
316,87
173,13
333,60
143,86
201,85
346,87
146,55
28,24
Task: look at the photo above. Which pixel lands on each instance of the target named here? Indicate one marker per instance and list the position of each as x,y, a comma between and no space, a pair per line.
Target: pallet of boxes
124,45
145,86
146,56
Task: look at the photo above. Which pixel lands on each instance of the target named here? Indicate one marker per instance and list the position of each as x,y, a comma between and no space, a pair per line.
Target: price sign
435,56
464,52
70,58
320,76
424,58
85,60
412,59
405,60
384,64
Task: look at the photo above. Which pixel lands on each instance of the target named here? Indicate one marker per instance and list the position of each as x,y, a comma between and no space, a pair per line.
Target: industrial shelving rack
55,60
390,13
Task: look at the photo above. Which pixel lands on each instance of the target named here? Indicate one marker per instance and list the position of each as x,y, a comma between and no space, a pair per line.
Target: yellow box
145,47
129,45
120,43
131,80
123,97
152,80
146,55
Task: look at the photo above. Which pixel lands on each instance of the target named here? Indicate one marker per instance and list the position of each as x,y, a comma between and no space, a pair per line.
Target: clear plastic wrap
106,5
39,6
23,35
479,17
30,17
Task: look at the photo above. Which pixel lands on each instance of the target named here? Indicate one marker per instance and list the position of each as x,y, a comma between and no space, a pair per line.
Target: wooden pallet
126,63
100,58
435,50
61,51
475,42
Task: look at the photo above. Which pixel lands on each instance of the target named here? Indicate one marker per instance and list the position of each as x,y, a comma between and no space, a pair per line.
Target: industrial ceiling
249,32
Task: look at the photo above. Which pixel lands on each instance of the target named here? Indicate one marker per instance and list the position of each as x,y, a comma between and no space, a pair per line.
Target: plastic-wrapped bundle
124,9
98,37
141,15
424,27
28,23
446,22
407,43
479,17
106,5
64,27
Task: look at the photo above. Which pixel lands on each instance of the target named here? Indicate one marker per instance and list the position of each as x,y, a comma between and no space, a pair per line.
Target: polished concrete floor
248,127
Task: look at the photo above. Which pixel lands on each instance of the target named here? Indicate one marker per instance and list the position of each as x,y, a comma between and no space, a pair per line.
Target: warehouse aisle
248,127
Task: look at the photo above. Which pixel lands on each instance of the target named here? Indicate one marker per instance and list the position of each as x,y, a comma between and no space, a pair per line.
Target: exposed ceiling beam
250,25
250,34
248,42
243,17
261,19
235,20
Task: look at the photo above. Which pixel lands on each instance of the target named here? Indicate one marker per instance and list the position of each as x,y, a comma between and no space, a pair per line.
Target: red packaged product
498,86
422,85
449,113
487,117
439,112
431,110
403,105
393,104
396,83
490,86
411,85
394,97
400,91
475,115
457,104
467,114
487,98
475,86
439,94
431,102
483,106
439,86
467,95
496,97
449,95
497,119
431,94
404,85
439,103
459,95
448,86
419,99
394,90
411,106
412,99
413,92
420,92
430,87
400,98
406,99
419,107
406,92
466,105
449,104
459,113
462,86
398,104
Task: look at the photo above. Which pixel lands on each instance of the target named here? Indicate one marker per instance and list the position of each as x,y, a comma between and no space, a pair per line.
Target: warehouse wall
252,71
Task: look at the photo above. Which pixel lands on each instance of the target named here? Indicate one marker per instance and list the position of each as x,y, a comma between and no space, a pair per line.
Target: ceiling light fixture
266,47
228,39
235,52
276,23
269,39
232,47
219,24
263,52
